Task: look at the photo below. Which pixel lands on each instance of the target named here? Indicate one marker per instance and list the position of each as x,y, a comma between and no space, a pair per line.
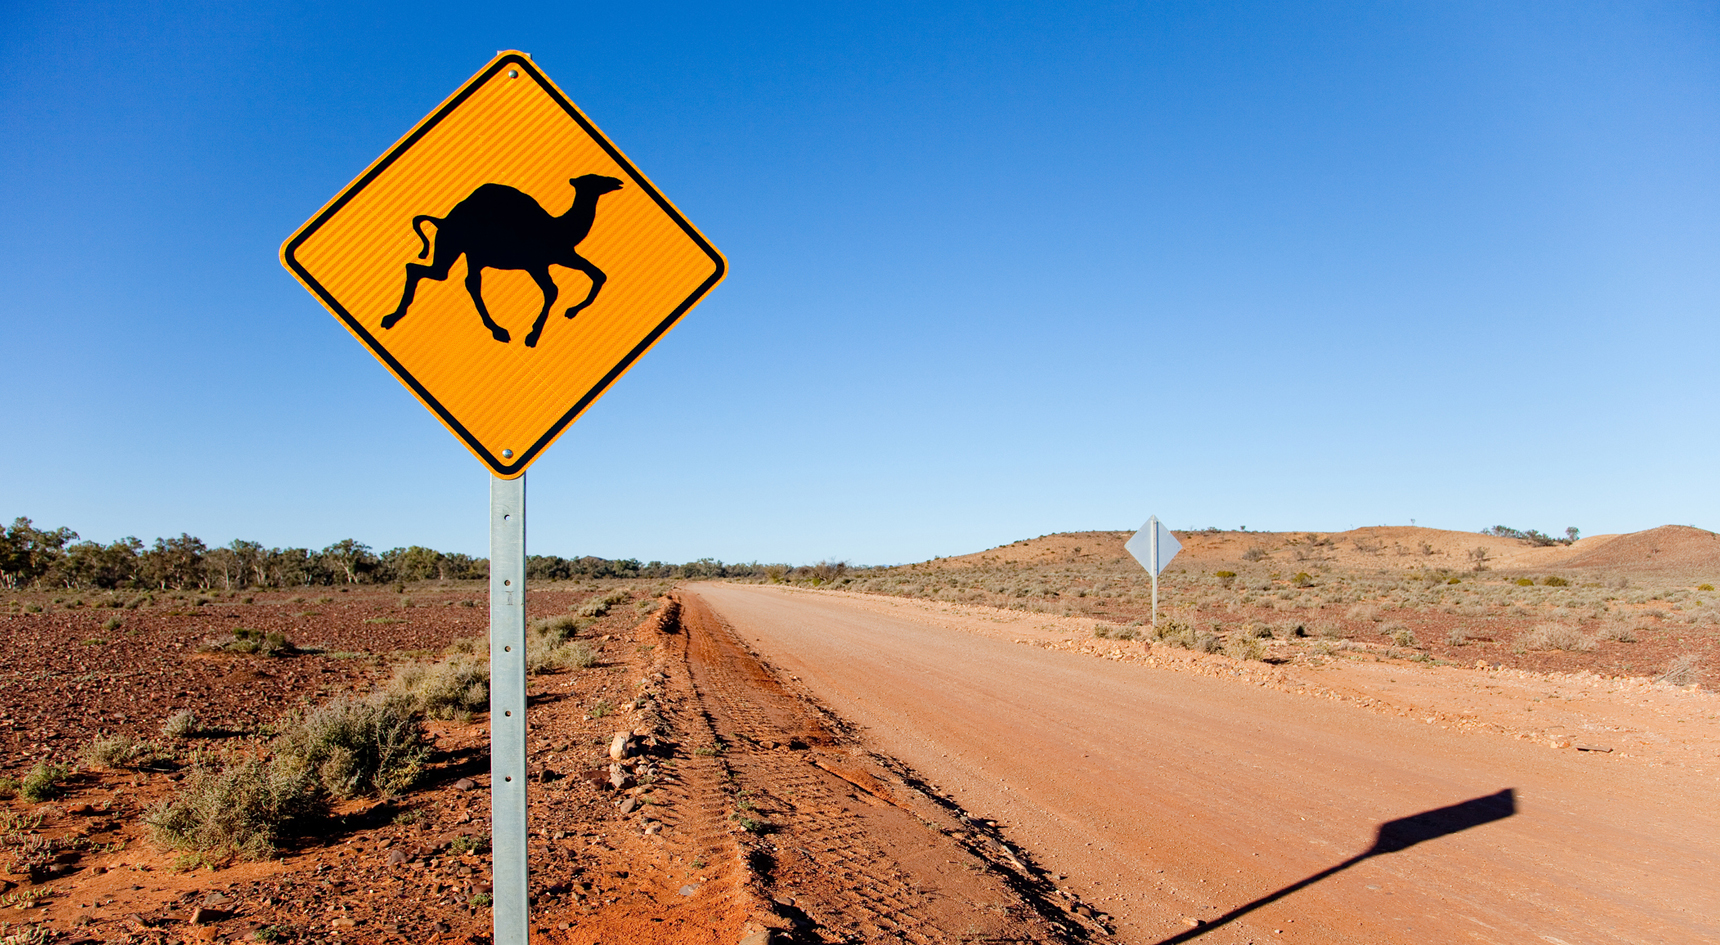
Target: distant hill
1667,551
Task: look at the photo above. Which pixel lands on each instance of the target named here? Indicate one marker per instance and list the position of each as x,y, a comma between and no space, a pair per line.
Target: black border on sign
524,459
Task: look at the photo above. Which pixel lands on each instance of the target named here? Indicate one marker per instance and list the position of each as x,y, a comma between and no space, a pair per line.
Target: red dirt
1199,796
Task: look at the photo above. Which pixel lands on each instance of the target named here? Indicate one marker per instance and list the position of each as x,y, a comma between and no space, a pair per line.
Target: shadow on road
1394,835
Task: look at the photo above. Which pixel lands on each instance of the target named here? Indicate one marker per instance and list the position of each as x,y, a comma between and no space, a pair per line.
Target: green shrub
1304,579
464,844
258,642
549,645
9,787
569,655
1554,581
1457,637
453,688
1225,578
242,809
1101,631
1704,587
42,782
1525,582
599,606
357,746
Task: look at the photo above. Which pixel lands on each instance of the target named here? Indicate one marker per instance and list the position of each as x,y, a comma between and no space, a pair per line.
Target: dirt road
1188,807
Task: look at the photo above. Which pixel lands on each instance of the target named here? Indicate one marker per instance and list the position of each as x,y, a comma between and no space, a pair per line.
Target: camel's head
595,184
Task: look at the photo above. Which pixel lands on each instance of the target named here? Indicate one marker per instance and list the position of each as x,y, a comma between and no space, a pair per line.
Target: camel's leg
542,278
447,250
597,280
475,288
437,270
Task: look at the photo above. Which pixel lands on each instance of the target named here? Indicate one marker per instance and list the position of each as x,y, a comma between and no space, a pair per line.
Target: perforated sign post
507,263
1154,546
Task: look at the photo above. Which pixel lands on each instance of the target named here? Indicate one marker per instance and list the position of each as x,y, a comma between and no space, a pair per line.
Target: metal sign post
509,175
1154,546
1155,569
508,708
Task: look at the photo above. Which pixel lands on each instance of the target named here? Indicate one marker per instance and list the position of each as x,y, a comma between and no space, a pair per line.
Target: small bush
357,746
1556,636
112,623
1616,633
243,809
1682,671
9,787
1101,631
599,606
1525,582
271,643
453,688
557,629
42,782
464,844
1704,587
122,751
1327,629
1127,633
181,724
1398,633
549,646
1555,581
1253,629
1225,578
1178,634
570,655
1304,579
1255,553
1289,630
1244,646
1365,612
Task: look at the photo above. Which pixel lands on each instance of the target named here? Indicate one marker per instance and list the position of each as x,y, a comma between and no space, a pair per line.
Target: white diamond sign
1153,546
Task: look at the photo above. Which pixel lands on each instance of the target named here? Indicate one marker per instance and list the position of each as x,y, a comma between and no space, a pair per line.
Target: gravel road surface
1194,808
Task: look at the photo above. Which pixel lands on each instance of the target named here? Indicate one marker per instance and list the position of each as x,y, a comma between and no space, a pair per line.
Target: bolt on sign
505,261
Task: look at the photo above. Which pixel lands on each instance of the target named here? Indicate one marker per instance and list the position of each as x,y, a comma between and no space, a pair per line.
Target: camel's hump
500,198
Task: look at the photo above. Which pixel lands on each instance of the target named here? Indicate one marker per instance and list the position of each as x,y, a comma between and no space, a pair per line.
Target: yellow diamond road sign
505,261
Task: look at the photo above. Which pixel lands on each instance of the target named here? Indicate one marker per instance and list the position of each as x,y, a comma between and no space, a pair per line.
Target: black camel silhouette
498,227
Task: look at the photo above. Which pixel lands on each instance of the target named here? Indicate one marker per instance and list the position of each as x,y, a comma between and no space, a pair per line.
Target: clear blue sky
997,270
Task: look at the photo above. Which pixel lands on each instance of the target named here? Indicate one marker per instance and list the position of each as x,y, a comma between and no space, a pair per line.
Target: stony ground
679,794
739,809
1629,605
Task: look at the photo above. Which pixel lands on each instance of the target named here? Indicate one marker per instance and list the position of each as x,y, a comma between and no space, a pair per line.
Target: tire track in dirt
843,846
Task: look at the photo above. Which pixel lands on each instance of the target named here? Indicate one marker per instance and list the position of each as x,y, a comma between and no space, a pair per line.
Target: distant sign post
1154,546
507,263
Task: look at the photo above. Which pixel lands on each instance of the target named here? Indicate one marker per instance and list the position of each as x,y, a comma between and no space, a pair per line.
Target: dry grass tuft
1682,671
1557,636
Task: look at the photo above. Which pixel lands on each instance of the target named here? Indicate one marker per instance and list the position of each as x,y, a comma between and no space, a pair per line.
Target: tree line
37,557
